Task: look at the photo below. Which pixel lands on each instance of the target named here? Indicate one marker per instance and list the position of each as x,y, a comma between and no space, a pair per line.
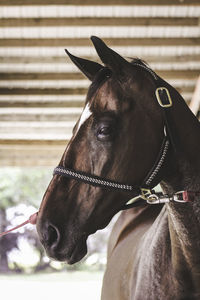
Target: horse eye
104,132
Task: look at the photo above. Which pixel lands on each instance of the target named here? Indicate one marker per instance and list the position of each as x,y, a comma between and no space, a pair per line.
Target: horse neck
184,174
184,164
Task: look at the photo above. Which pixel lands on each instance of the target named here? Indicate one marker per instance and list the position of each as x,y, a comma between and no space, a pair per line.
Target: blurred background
41,97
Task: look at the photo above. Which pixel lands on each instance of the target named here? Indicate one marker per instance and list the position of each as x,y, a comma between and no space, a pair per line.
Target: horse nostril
53,236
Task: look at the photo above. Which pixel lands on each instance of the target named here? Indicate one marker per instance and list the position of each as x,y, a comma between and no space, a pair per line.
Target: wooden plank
30,142
32,137
32,148
100,21
40,114
29,162
127,51
56,103
68,42
171,59
22,103
36,128
184,89
49,91
31,155
47,162
64,75
42,101
179,74
41,91
64,59
99,2
42,76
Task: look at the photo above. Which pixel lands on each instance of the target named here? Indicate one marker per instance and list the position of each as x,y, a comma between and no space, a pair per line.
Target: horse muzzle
60,246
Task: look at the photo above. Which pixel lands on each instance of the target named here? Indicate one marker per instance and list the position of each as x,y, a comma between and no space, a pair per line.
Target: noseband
144,192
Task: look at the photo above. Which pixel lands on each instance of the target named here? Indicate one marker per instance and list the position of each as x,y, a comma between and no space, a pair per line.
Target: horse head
117,137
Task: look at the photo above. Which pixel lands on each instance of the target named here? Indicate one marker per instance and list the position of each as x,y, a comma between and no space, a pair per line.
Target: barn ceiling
42,93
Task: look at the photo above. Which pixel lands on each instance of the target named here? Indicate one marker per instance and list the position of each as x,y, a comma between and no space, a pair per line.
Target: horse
135,132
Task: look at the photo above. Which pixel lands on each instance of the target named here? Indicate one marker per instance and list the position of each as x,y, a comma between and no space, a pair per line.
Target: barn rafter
42,93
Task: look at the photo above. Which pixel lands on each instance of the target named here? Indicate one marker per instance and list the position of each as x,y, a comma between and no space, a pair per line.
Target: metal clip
181,197
156,199
176,197
158,96
153,199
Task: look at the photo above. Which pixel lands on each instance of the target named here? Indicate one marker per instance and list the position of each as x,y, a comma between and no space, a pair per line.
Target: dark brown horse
127,140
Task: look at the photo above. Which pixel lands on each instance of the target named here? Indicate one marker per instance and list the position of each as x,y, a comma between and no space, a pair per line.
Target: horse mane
139,61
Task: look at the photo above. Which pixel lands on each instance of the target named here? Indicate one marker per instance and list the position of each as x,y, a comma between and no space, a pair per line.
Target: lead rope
32,220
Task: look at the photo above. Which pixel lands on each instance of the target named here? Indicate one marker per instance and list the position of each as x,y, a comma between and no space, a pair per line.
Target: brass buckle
169,104
145,193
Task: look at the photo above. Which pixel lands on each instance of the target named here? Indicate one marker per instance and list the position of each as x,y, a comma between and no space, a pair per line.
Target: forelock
103,75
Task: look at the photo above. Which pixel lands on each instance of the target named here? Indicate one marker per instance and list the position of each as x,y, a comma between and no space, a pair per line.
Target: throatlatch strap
151,178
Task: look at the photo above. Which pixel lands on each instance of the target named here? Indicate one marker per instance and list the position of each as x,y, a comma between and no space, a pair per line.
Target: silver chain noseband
92,179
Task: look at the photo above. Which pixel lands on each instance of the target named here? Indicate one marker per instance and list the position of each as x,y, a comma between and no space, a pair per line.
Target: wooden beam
37,128
62,91
179,74
29,162
77,75
30,155
50,42
26,147
30,142
156,52
38,117
172,58
100,21
33,136
41,76
99,2
64,59
59,103
51,91
43,91
184,89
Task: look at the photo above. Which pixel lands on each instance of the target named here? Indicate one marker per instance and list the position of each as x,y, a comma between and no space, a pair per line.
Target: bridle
144,192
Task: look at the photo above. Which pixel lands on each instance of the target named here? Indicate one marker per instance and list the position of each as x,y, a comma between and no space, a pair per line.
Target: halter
144,192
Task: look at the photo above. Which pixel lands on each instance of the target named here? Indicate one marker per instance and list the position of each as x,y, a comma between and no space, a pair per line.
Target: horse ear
87,67
109,57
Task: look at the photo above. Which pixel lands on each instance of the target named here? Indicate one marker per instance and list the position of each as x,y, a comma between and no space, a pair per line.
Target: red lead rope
32,220
182,196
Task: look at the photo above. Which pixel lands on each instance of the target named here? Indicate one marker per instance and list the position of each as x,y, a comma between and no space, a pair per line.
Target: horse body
125,242
154,251
152,262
